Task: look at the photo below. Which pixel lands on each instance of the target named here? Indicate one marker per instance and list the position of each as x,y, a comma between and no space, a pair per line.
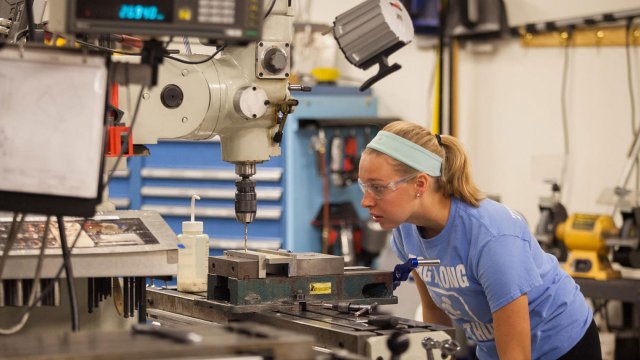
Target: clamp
401,271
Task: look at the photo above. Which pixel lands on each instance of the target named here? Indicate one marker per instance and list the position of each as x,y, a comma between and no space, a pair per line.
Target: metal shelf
270,194
314,123
272,175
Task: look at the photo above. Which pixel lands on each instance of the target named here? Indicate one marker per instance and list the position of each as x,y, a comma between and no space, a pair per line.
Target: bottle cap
193,226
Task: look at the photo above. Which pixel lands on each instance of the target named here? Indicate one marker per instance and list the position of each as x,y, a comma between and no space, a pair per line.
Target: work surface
246,339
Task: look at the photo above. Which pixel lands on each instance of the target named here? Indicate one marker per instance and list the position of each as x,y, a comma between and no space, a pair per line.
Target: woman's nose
367,200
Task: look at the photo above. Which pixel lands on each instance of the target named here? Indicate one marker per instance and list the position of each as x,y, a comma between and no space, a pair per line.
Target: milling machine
243,95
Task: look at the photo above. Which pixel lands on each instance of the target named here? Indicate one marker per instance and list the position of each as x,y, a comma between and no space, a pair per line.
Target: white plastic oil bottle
193,254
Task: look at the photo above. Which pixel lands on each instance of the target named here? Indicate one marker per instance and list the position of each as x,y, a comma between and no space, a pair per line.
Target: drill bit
246,226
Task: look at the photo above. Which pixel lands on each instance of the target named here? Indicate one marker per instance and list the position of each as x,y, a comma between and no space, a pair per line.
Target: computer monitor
52,129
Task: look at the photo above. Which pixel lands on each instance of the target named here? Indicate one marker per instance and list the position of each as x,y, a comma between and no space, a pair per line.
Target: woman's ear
421,183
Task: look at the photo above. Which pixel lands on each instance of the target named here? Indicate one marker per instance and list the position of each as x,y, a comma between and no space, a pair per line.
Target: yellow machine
584,235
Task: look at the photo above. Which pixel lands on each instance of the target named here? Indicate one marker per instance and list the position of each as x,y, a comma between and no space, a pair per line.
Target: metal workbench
625,290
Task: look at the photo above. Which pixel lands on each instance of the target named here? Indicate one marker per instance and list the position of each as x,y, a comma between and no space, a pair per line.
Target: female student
494,281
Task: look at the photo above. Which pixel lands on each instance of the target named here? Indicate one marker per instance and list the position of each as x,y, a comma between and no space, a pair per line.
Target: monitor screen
52,114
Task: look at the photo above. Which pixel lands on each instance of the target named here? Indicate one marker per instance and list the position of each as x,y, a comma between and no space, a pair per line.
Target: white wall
510,114
510,117
539,11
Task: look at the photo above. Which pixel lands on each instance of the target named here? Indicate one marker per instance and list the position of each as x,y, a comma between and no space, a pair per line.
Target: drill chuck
246,193
245,200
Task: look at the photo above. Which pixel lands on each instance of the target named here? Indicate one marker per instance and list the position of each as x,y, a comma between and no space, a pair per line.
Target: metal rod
136,293
90,296
125,288
142,301
428,262
132,293
96,297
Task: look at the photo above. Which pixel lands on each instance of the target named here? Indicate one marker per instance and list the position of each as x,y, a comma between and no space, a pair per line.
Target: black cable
114,51
132,296
273,2
102,48
125,296
166,46
66,255
30,25
142,304
441,44
45,292
209,58
91,292
129,101
563,105
631,92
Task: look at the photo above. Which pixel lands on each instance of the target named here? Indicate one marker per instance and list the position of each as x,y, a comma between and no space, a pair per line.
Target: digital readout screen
122,10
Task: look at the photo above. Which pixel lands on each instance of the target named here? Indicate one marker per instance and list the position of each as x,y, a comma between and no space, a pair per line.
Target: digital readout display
140,12
123,10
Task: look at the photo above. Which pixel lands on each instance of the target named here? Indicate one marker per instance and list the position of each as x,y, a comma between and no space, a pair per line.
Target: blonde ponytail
456,177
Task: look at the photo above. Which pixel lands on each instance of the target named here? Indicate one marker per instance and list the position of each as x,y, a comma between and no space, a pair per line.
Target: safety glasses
380,190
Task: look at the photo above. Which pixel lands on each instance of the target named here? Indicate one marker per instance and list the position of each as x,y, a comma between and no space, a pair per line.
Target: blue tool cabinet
289,189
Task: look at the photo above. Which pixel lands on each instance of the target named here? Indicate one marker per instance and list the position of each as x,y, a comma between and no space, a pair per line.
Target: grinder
584,235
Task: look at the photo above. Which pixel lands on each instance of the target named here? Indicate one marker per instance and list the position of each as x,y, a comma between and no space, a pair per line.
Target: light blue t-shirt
488,258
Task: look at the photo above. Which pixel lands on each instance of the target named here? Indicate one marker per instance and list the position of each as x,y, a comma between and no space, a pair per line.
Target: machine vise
271,277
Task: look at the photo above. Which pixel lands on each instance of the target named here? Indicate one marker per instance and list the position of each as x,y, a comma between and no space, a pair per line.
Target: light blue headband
407,152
